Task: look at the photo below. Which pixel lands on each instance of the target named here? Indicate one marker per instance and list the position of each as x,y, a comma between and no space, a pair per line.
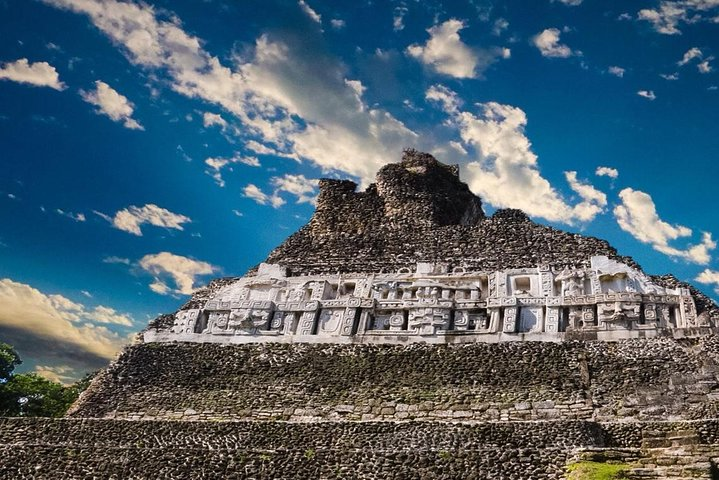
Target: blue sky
147,147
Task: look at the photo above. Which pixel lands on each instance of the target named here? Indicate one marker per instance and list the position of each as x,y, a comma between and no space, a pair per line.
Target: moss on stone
585,470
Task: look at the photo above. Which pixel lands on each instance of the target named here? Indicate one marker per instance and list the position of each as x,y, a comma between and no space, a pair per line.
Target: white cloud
216,165
704,66
298,185
130,219
690,55
51,327
78,217
111,104
116,260
637,215
648,94
447,54
607,172
709,277
309,11
40,74
273,94
182,271
499,26
337,23
571,3
260,149
671,13
669,76
448,99
253,191
213,119
593,201
504,171
398,18
549,45
616,71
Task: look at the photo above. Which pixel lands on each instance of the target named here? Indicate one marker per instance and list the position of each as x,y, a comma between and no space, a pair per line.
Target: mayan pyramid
403,333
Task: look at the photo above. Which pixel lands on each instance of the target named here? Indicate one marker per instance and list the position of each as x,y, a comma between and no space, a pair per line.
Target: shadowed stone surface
633,379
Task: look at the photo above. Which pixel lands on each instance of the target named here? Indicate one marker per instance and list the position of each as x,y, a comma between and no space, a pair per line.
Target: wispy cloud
111,104
670,14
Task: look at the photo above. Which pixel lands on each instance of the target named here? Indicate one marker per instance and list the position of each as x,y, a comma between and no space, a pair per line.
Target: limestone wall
637,379
118,449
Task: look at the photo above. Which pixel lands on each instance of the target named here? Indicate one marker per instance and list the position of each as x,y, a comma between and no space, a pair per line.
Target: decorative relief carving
606,296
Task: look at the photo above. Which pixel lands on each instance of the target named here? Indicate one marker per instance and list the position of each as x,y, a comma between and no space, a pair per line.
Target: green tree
9,359
29,394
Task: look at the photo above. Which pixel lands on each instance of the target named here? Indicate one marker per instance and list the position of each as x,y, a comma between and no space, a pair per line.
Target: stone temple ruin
427,298
404,334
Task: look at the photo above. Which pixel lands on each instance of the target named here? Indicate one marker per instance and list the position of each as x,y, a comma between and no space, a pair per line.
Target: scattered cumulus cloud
445,97
39,74
445,52
213,119
616,71
669,76
709,277
670,14
111,104
593,200
637,215
298,185
549,45
216,165
648,94
253,192
570,3
704,66
337,23
504,170
130,219
77,217
690,55
174,274
607,172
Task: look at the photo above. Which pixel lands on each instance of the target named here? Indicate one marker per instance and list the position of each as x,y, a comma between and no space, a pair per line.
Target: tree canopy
29,394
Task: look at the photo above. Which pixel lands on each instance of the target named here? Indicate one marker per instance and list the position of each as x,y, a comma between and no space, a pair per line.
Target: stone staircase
676,455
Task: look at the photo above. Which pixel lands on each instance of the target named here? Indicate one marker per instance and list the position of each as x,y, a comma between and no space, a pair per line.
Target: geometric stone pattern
430,302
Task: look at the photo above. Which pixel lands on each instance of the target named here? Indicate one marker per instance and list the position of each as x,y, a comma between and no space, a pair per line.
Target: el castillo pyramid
404,334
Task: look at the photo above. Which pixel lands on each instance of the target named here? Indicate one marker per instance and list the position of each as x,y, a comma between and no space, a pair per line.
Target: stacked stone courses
630,380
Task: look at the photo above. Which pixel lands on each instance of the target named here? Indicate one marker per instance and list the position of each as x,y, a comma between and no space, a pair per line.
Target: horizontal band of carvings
606,296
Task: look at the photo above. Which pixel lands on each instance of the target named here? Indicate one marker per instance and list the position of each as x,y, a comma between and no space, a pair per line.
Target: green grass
597,471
